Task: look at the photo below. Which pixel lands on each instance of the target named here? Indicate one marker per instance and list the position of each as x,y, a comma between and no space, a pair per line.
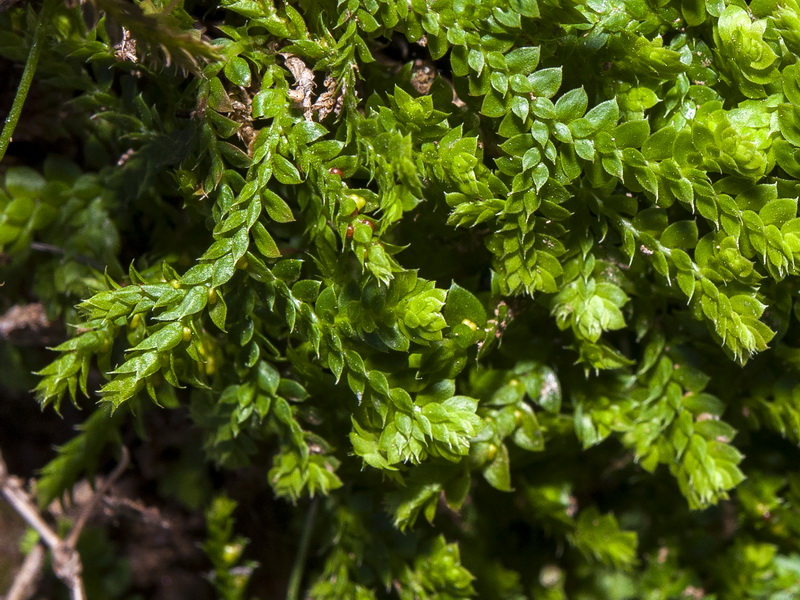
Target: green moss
526,269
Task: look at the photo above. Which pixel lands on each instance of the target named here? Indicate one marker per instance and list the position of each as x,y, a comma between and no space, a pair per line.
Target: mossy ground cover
488,298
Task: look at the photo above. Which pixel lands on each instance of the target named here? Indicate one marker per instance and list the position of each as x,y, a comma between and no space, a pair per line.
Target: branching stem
65,558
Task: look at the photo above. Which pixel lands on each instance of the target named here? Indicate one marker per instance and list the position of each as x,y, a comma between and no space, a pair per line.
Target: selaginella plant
504,291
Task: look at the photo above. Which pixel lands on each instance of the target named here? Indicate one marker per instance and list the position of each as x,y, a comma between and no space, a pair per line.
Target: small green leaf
659,146
639,99
268,377
789,123
218,97
682,234
288,270
476,60
631,134
604,115
518,145
462,305
285,172
219,312
520,107
24,182
493,105
777,212
498,473
653,220
527,8
234,155
523,61
572,105
545,82
791,83
694,11
458,60
276,207
238,72
163,340
193,302
306,132
264,242
268,103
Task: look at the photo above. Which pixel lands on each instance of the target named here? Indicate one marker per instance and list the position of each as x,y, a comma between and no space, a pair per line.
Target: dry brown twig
23,317
27,579
302,94
65,558
304,83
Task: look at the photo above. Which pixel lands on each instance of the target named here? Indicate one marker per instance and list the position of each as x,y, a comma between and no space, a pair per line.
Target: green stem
25,83
296,576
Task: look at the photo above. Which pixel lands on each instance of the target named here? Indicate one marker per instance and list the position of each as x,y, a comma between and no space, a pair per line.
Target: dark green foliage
523,268
225,551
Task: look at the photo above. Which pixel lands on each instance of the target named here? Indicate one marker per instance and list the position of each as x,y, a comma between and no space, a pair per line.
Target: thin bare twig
19,500
24,586
89,508
66,560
